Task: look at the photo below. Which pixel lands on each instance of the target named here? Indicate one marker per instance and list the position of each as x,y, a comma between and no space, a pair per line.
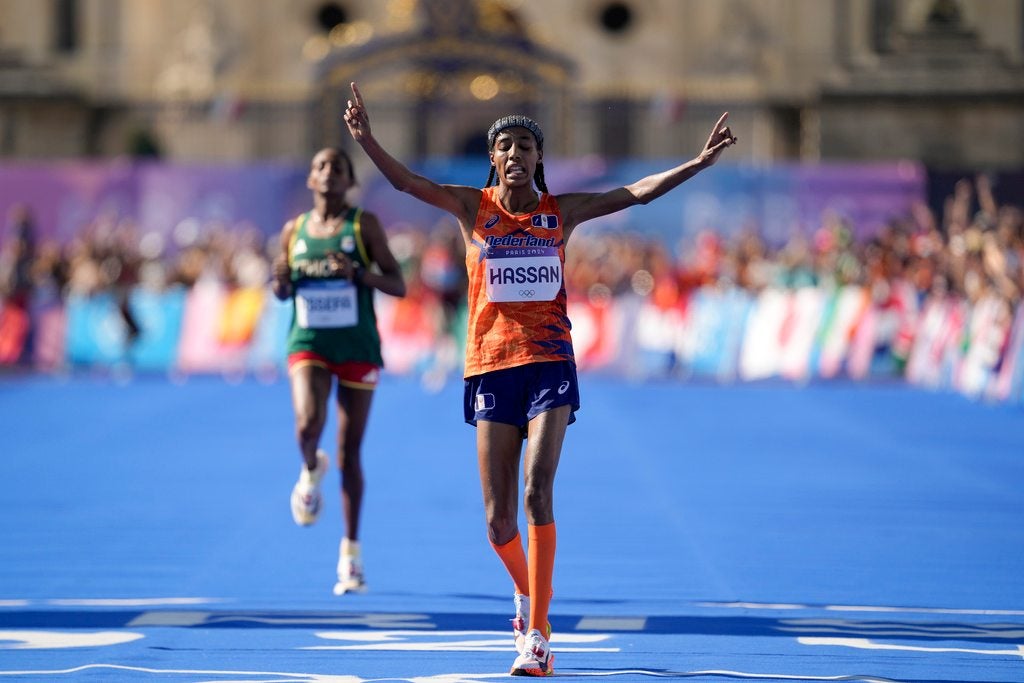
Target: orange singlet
517,310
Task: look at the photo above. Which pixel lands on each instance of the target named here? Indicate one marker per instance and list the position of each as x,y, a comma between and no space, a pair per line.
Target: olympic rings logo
527,293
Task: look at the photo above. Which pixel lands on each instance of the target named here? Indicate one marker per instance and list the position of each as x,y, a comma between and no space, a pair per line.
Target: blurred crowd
972,248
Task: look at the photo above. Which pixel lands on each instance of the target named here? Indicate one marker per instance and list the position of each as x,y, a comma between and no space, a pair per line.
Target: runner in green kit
325,297
332,259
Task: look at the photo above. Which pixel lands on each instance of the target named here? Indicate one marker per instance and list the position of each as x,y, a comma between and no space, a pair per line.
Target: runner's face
515,156
329,173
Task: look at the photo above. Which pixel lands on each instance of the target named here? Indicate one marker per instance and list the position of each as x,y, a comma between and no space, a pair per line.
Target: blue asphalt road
752,532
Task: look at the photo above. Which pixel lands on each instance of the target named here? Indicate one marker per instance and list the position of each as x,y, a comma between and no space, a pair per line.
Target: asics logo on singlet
563,387
519,241
491,222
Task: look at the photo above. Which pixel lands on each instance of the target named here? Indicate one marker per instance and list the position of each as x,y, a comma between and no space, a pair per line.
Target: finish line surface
835,532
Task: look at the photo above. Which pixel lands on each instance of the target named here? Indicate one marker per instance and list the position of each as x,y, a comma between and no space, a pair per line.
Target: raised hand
356,118
720,138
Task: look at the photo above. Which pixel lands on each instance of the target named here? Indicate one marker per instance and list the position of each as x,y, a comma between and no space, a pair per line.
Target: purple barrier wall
779,200
66,197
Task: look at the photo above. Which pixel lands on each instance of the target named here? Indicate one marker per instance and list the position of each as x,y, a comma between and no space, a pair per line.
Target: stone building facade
940,81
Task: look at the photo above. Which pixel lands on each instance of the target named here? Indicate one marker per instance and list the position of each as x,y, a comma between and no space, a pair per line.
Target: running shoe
306,498
536,658
521,621
350,569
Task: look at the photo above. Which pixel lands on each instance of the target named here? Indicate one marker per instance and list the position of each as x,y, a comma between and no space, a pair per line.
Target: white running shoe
536,659
306,498
521,621
350,569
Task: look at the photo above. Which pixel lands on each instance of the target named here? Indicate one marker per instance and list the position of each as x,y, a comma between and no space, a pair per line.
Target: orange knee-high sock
514,558
542,566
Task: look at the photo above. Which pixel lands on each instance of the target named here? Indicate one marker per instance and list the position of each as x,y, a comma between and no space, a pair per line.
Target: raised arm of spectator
986,199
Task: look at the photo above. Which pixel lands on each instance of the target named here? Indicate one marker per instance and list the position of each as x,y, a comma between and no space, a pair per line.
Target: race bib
325,304
523,274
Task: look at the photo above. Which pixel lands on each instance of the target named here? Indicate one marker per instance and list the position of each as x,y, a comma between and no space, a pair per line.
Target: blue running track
762,532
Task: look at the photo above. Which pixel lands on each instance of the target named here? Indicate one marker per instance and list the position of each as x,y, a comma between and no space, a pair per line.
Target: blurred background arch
939,81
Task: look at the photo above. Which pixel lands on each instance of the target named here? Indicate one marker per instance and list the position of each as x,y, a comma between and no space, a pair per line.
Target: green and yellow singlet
331,316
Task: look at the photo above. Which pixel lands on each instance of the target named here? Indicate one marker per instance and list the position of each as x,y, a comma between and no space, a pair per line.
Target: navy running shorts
517,395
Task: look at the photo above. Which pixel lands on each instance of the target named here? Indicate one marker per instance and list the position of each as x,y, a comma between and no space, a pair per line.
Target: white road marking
866,644
612,624
451,641
55,640
129,602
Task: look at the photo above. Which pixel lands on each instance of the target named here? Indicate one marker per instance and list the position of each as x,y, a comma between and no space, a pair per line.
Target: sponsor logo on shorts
372,376
484,402
563,387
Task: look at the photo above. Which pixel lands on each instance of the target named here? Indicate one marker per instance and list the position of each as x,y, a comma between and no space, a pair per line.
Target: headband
514,121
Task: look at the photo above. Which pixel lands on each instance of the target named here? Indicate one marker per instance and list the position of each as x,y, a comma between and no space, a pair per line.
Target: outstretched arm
461,202
583,206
